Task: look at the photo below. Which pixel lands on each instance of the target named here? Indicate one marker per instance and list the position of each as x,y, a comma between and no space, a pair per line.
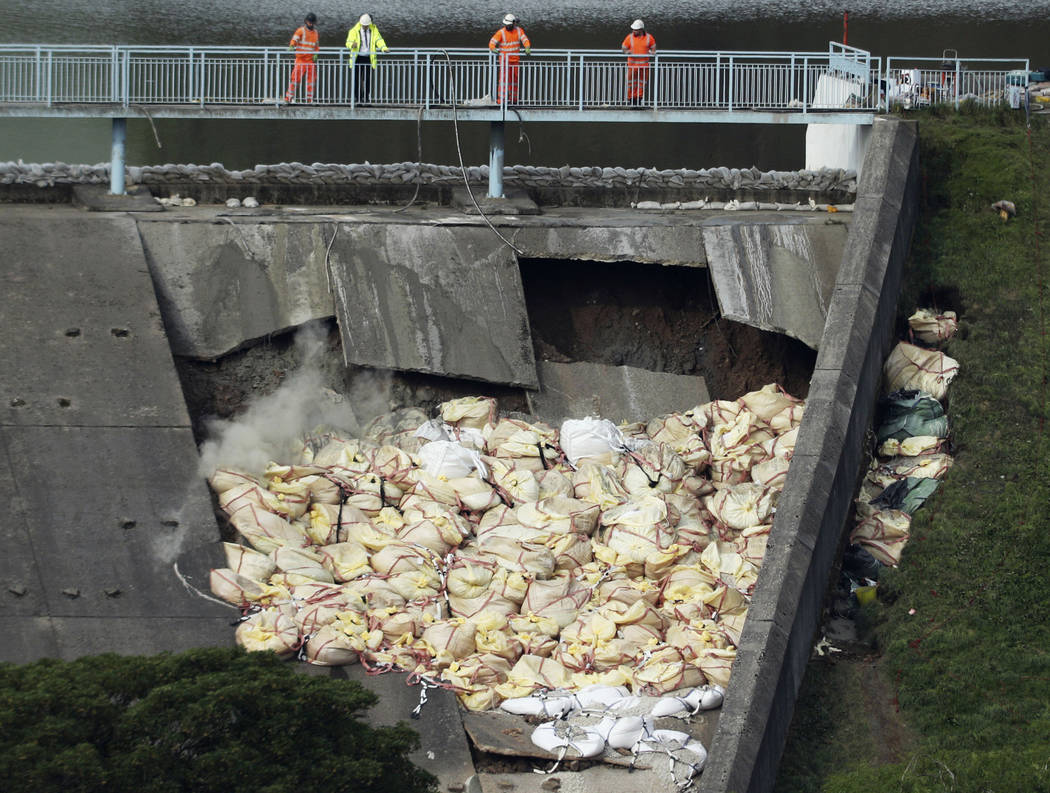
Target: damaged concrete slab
432,299
774,274
618,393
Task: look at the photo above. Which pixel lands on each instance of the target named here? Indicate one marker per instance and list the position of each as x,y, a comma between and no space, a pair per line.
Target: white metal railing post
38,92
718,78
429,81
805,85
125,78
114,74
579,99
732,83
656,80
203,79
266,92
955,84
50,77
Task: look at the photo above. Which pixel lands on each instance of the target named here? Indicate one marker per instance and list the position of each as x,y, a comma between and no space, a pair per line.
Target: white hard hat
637,25
365,20
509,19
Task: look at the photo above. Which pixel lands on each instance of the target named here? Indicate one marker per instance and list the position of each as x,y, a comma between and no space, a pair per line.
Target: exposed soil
659,318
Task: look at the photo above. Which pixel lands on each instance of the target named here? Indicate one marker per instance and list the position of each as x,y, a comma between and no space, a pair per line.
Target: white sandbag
560,737
270,630
912,367
931,327
248,562
449,460
597,440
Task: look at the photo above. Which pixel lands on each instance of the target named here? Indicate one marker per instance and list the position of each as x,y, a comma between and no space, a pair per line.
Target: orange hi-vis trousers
299,71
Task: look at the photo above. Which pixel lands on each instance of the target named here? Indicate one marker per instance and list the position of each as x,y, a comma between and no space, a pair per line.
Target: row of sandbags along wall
912,450
214,183
516,563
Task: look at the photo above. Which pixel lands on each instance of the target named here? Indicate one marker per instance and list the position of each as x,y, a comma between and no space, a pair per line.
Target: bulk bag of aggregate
397,428
474,679
769,401
593,440
531,558
224,479
241,590
264,530
301,561
272,629
600,485
449,460
571,551
741,506
248,562
469,412
910,412
519,486
931,327
912,367
336,644
912,447
665,671
884,535
716,664
654,467
559,515
532,672
554,482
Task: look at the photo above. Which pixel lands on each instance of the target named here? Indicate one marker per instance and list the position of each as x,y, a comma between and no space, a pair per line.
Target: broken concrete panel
73,316
618,393
446,301
777,275
223,284
671,244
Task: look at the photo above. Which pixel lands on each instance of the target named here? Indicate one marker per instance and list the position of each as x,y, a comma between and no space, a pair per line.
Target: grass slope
956,697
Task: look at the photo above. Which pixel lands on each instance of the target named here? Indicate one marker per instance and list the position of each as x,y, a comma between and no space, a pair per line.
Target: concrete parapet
786,608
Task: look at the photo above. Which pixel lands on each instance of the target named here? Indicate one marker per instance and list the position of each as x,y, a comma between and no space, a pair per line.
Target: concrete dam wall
110,521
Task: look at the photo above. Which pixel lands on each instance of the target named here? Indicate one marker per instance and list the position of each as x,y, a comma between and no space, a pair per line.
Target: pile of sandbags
911,455
500,557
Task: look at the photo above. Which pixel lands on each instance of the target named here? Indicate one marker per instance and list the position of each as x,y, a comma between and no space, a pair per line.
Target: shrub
204,720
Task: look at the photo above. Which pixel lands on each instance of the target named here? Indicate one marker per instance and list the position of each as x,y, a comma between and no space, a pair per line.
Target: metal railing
922,82
567,79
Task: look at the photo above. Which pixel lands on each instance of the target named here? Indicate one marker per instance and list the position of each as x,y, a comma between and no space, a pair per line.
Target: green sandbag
907,413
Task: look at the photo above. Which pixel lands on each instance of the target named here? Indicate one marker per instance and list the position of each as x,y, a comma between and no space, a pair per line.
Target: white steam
273,427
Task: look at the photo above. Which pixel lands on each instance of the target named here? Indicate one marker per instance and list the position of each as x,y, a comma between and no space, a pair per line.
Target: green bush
205,720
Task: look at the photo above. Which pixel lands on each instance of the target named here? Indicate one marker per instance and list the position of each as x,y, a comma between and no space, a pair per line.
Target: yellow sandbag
301,561
664,672
421,584
520,557
912,447
264,530
270,630
474,494
768,401
248,562
554,482
914,367
333,646
345,560
571,551
469,578
559,515
501,643
475,679
931,327
472,411
884,535
449,640
223,479
241,591
475,608
530,673
314,614
428,534
519,485
741,506
600,485
399,557
329,524
376,592
655,467
687,583
559,598
771,473
717,664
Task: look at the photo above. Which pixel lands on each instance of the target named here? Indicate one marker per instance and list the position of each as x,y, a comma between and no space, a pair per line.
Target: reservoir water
974,28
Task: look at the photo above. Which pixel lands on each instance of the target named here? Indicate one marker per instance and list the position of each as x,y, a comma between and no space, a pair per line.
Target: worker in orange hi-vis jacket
305,43
639,47
508,41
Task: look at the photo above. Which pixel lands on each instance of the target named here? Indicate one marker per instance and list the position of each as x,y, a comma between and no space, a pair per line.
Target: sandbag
270,630
932,327
248,562
591,439
912,367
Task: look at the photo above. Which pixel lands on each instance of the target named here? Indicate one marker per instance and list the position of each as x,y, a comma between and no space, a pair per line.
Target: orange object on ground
639,49
306,44
508,43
